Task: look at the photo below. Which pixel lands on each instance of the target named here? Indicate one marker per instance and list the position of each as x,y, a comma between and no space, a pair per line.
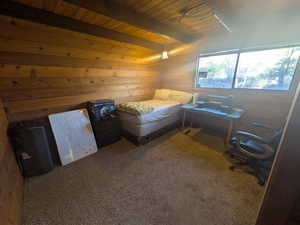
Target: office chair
255,151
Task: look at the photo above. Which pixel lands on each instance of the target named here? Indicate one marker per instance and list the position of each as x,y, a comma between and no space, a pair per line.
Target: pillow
161,94
180,96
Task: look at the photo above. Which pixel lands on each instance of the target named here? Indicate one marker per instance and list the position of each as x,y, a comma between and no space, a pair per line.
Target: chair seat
252,147
254,151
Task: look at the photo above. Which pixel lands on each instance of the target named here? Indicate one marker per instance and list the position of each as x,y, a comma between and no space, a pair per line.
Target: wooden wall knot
33,73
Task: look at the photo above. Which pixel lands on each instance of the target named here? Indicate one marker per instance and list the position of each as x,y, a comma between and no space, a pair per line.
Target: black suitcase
32,150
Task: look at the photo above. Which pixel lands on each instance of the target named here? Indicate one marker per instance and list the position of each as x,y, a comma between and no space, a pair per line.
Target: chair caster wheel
261,182
232,168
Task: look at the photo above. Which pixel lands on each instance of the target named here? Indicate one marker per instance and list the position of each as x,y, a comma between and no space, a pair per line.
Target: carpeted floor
174,180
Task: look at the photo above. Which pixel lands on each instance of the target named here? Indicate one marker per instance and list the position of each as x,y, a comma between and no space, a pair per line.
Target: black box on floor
107,131
105,122
32,149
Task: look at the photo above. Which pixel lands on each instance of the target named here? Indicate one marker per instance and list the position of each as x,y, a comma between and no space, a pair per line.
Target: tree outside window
265,69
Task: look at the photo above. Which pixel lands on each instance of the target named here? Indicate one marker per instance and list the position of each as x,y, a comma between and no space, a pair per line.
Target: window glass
269,69
216,71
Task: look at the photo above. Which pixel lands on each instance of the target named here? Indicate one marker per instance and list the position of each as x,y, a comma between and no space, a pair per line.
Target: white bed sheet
162,110
164,114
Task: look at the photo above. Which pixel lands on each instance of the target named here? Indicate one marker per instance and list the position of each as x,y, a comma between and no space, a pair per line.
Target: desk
232,117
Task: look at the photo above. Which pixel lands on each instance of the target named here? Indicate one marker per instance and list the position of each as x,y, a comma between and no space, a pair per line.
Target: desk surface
235,114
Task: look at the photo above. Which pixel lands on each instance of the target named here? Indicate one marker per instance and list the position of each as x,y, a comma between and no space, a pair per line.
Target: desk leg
229,134
183,119
183,123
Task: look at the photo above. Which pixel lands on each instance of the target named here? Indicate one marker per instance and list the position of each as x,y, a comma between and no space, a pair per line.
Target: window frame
238,52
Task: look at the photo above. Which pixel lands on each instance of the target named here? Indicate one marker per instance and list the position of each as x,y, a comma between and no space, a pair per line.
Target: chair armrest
269,152
244,134
264,126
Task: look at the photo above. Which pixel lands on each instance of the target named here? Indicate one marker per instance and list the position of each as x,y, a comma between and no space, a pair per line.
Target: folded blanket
136,108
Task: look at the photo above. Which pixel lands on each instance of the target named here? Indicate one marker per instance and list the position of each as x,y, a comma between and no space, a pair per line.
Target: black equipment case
32,149
105,122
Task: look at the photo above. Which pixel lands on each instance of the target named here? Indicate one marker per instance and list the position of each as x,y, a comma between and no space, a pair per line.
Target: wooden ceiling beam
119,12
21,11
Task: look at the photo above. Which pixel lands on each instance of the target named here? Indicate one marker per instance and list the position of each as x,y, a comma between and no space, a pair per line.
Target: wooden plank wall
11,182
45,70
262,106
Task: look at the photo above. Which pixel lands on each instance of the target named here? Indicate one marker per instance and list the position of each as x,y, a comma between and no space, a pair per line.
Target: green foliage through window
265,69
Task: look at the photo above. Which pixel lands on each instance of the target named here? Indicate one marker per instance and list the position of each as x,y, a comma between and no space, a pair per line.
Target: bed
153,117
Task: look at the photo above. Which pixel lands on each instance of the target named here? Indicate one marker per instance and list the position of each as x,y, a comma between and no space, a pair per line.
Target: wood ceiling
152,24
169,12
155,25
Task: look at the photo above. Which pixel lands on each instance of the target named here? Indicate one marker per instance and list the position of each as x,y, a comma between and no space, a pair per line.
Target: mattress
164,113
162,109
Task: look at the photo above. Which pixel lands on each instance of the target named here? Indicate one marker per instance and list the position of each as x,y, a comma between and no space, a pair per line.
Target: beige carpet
174,180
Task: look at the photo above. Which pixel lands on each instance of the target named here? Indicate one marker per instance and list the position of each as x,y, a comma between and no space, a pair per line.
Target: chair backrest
275,139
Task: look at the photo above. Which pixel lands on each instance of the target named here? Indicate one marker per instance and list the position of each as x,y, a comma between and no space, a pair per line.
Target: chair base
254,165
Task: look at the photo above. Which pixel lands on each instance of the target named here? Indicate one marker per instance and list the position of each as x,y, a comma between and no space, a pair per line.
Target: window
265,69
217,71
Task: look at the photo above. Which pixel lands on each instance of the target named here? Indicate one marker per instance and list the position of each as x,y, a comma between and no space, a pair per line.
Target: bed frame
137,140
